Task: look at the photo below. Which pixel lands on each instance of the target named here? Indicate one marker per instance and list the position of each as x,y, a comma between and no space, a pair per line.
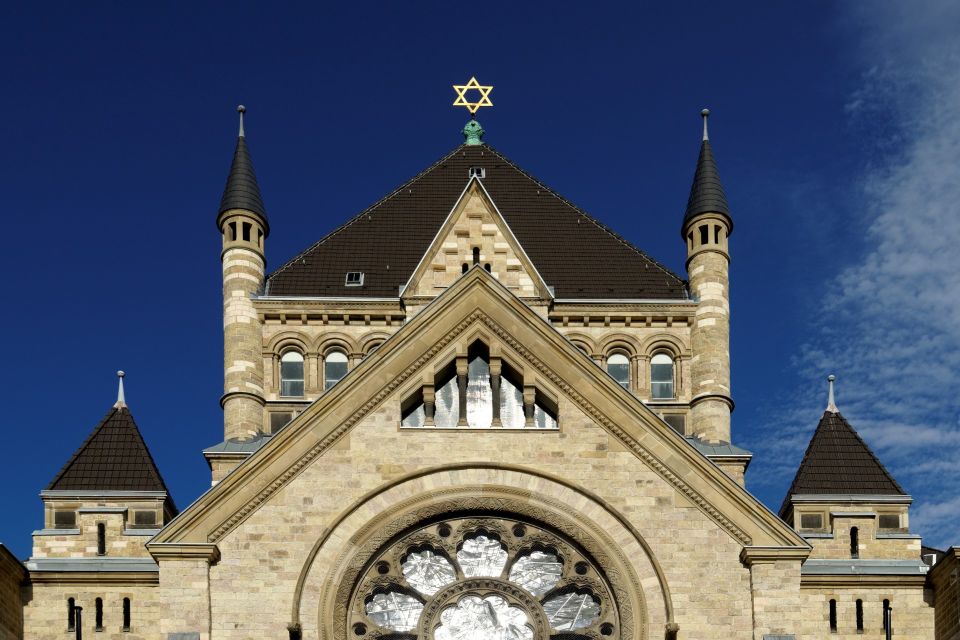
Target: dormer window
476,172
354,279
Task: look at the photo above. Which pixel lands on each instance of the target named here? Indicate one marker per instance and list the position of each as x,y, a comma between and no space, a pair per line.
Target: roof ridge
589,217
360,215
83,447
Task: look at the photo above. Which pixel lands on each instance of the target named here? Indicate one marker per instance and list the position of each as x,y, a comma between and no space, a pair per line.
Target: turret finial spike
121,401
241,110
705,113
831,405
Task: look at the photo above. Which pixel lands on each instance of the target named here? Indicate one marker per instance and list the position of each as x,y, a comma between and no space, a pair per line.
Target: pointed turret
706,229
243,223
706,192
106,500
242,191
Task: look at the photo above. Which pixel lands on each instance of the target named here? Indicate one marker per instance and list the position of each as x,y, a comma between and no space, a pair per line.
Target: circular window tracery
483,579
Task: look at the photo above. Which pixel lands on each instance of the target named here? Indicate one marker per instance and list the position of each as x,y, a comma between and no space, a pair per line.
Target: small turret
706,228
242,221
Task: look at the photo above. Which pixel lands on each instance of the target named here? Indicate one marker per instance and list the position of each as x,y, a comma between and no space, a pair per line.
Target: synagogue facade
475,412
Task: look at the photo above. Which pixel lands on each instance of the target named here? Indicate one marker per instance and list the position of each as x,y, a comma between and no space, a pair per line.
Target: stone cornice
808,581
145,578
184,551
750,556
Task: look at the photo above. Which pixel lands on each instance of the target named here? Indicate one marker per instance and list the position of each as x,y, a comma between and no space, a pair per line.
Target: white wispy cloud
889,322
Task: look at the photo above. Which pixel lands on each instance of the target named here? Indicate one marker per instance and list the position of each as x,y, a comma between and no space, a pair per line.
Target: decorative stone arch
345,549
663,342
619,342
583,339
372,339
286,340
333,340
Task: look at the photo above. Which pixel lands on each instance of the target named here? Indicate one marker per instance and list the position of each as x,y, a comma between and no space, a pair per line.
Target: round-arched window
661,377
468,578
334,368
618,366
291,374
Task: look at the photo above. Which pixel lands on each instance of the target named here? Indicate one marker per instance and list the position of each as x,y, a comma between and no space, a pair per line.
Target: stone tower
242,221
706,228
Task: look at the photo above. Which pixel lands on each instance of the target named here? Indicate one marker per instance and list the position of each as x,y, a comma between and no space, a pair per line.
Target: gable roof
838,461
114,457
476,302
576,255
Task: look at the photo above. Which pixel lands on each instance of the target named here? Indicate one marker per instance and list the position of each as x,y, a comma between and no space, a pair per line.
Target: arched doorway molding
331,570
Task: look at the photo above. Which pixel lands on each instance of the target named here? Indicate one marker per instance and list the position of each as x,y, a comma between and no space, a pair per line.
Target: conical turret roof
838,461
706,192
242,190
114,457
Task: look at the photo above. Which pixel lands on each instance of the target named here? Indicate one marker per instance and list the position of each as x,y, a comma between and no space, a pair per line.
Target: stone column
462,371
775,589
185,588
495,370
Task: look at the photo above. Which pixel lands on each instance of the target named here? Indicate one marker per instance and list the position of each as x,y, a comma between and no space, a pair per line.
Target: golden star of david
472,107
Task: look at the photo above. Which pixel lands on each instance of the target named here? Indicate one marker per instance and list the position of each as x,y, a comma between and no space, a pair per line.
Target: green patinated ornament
472,133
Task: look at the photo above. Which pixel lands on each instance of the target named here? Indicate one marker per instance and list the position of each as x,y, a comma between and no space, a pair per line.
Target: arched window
469,577
71,614
334,368
291,374
661,377
618,366
860,615
833,616
101,539
98,615
854,542
126,614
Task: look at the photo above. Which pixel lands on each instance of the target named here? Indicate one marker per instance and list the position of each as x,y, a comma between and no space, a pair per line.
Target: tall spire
121,400
706,192
831,405
242,190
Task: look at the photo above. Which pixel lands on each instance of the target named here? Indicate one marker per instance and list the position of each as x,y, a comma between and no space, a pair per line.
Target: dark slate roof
576,255
706,192
242,190
838,461
113,458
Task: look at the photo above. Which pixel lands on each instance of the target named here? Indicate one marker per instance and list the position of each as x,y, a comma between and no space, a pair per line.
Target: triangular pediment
476,304
475,233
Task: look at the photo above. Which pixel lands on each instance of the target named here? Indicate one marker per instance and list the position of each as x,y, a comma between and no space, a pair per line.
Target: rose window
483,579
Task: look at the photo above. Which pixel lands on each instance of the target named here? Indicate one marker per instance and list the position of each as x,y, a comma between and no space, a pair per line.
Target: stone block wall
45,609
913,617
945,578
50,543
12,574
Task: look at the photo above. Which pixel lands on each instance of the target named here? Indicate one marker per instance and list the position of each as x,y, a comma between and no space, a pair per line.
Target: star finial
705,113
831,405
241,110
121,401
472,107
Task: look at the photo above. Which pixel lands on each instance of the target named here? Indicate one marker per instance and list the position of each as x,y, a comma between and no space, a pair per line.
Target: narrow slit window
126,614
704,234
886,615
716,234
291,375
476,255
859,616
487,267
101,539
247,227
71,614
232,235
334,368
465,268
833,616
98,615
854,542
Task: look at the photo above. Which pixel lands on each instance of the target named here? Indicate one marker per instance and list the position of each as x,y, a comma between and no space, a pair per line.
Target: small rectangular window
64,519
811,521
354,279
675,420
145,519
476,172
101,539
279,419
889,521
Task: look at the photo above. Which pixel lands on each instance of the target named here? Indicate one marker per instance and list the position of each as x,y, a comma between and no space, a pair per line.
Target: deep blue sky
119,125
